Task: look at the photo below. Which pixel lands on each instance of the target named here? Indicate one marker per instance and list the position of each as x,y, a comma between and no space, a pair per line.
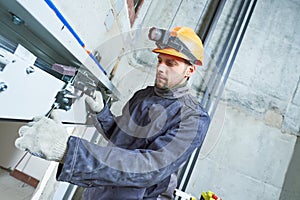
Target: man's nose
161,67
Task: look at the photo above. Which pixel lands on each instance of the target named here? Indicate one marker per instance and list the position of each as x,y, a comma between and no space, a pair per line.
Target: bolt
98,56
65,100
30,70
17,20
3,86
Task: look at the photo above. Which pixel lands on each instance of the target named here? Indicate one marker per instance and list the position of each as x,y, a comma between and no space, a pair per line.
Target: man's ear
190,70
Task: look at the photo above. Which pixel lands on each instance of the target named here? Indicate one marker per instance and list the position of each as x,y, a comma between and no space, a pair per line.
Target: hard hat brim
171,52
174,52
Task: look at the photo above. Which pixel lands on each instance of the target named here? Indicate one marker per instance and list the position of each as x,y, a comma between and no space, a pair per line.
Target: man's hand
44,137
96,104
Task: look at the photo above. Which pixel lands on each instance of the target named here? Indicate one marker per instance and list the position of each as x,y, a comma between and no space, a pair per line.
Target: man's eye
170,64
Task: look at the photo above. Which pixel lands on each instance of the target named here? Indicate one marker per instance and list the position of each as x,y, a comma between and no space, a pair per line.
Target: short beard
163,87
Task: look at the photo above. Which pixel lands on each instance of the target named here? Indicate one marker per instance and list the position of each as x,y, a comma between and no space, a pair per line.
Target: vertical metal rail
238,44
222,62
211,81
238,35
207,30
172,21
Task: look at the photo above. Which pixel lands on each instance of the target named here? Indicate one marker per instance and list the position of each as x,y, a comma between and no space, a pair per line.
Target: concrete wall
266,74
256,152
251,148
244,159
270,88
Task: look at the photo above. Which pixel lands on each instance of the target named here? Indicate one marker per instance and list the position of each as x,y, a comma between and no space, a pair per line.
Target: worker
159,128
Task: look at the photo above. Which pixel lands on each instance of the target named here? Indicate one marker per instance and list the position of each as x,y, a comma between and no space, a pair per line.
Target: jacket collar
172,93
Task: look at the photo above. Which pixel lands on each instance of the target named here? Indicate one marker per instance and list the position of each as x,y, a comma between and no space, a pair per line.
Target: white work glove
96,104
44,137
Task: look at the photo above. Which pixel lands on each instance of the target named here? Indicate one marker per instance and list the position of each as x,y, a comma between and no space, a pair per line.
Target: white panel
43,14
32,94
27,95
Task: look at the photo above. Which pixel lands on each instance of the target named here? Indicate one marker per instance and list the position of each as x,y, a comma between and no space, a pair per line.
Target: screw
30,70
98,56
65,100
3,86
17,20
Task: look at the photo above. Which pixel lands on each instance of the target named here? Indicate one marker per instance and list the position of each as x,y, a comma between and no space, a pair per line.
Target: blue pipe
65,22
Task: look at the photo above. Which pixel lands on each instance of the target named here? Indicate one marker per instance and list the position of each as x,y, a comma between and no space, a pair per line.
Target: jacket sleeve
107,121
90,165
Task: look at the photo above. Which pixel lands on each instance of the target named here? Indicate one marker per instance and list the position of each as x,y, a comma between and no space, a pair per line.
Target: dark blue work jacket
156,133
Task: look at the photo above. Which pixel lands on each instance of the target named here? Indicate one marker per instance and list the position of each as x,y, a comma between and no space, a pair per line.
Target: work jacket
156,133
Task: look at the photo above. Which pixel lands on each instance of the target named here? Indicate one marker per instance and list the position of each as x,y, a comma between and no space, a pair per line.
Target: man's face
172,71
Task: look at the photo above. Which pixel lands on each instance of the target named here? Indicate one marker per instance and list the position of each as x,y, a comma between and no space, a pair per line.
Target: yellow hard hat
190,47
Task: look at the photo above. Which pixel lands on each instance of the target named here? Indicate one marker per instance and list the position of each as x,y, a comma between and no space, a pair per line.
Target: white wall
9,155
97,23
